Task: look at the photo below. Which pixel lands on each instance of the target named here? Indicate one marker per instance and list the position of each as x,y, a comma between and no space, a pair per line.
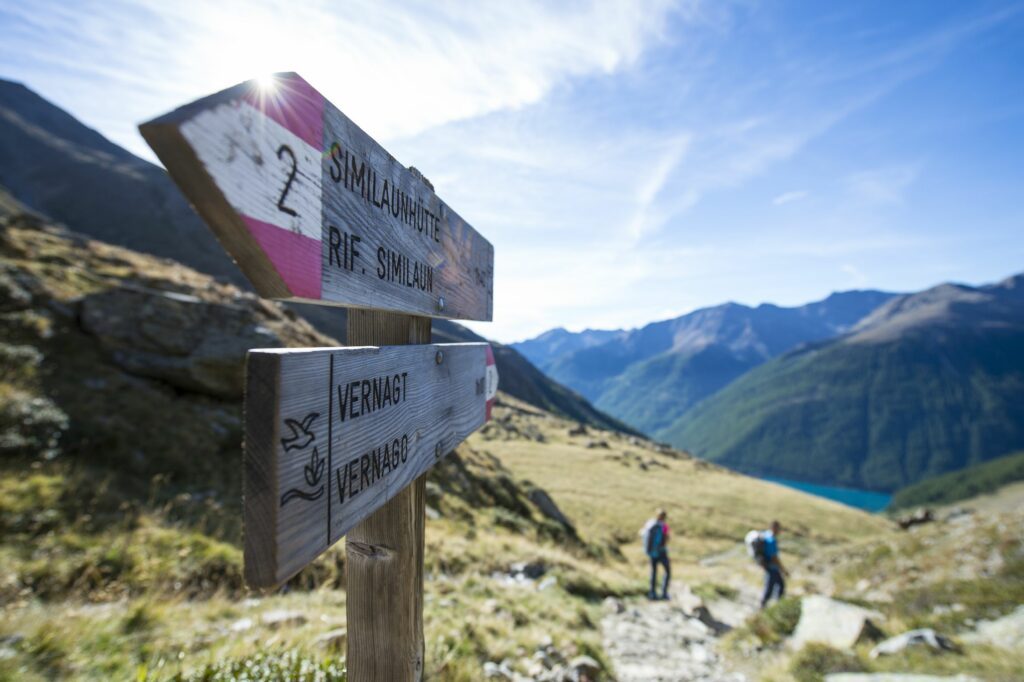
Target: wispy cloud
646,218
396,68
857,277
880,186
790,197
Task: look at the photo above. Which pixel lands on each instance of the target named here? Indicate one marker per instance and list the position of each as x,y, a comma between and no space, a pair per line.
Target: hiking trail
672,641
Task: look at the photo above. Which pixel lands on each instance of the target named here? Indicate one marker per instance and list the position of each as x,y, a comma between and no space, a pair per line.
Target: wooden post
384,565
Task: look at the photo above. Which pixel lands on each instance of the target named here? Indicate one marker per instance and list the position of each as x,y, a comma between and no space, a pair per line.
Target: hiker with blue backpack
763,547
655,539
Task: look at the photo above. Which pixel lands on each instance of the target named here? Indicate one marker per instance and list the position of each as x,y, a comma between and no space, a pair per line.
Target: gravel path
662,641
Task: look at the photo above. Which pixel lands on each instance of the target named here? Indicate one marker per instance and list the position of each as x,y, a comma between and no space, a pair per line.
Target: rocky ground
677,639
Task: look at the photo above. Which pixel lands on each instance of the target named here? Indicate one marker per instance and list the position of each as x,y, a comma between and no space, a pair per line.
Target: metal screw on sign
437,451
440,305
439,358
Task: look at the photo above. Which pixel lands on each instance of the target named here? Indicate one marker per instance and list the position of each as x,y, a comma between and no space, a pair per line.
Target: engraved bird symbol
301,434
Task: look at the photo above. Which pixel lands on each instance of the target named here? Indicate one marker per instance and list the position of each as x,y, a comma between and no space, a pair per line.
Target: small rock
613,605
281,618
9,646
541,658
433,514
333,640
920,516
578,430
241,625
597,444
530,569
923,636
498,671
584,668
549,581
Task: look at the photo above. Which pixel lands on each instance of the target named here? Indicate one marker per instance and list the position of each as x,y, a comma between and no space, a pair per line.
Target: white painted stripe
241,150
492,381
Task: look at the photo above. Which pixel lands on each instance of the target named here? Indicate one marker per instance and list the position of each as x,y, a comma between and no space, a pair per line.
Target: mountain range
55,165
649,377
864,389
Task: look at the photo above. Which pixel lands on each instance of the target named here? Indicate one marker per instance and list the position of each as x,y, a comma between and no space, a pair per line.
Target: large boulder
1006,632
190,343
835,623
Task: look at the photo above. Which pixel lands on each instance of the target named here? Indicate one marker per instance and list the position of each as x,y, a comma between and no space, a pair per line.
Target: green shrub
814,661
776,622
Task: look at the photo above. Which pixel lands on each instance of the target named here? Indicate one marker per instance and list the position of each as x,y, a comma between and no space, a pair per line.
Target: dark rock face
192,344
548,508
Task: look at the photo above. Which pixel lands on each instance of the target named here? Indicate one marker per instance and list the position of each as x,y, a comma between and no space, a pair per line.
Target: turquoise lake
867,500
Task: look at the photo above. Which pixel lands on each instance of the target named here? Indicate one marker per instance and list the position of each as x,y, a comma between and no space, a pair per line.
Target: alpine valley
864,389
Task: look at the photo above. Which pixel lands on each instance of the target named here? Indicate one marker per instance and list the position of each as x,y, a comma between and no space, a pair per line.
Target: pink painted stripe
295,257
295,105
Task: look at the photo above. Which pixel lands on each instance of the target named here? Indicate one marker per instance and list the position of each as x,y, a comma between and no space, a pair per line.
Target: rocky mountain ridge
674,364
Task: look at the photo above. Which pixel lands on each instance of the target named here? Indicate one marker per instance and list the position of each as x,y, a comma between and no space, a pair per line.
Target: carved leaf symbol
315,469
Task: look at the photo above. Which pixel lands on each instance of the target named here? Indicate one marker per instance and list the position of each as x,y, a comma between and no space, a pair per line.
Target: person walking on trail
774,571
655,535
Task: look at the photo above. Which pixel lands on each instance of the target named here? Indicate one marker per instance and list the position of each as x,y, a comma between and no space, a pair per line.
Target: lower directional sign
331,434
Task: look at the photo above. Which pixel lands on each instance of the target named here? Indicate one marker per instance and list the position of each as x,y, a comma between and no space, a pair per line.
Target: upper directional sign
313,209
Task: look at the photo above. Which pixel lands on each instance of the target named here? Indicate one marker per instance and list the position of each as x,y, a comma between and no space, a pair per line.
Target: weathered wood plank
313,209
384,552
350,428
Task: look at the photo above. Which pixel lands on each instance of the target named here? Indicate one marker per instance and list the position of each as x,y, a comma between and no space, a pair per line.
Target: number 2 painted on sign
288,184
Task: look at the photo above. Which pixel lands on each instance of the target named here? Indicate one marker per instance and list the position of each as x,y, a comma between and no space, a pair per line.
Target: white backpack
645,532
754,541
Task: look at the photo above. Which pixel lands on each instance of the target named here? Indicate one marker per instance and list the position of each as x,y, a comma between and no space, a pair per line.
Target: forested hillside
928,384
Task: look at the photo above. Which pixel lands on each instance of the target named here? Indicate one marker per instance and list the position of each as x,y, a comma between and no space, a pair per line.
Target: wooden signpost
337,440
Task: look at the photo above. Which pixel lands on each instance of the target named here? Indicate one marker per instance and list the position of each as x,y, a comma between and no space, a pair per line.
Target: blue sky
630,161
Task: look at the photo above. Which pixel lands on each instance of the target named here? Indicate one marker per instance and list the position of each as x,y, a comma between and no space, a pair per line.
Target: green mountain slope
929,383
649,377
655,392
961,485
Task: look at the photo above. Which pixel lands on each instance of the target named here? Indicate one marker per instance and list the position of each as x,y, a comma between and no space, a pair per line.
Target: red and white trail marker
313,209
